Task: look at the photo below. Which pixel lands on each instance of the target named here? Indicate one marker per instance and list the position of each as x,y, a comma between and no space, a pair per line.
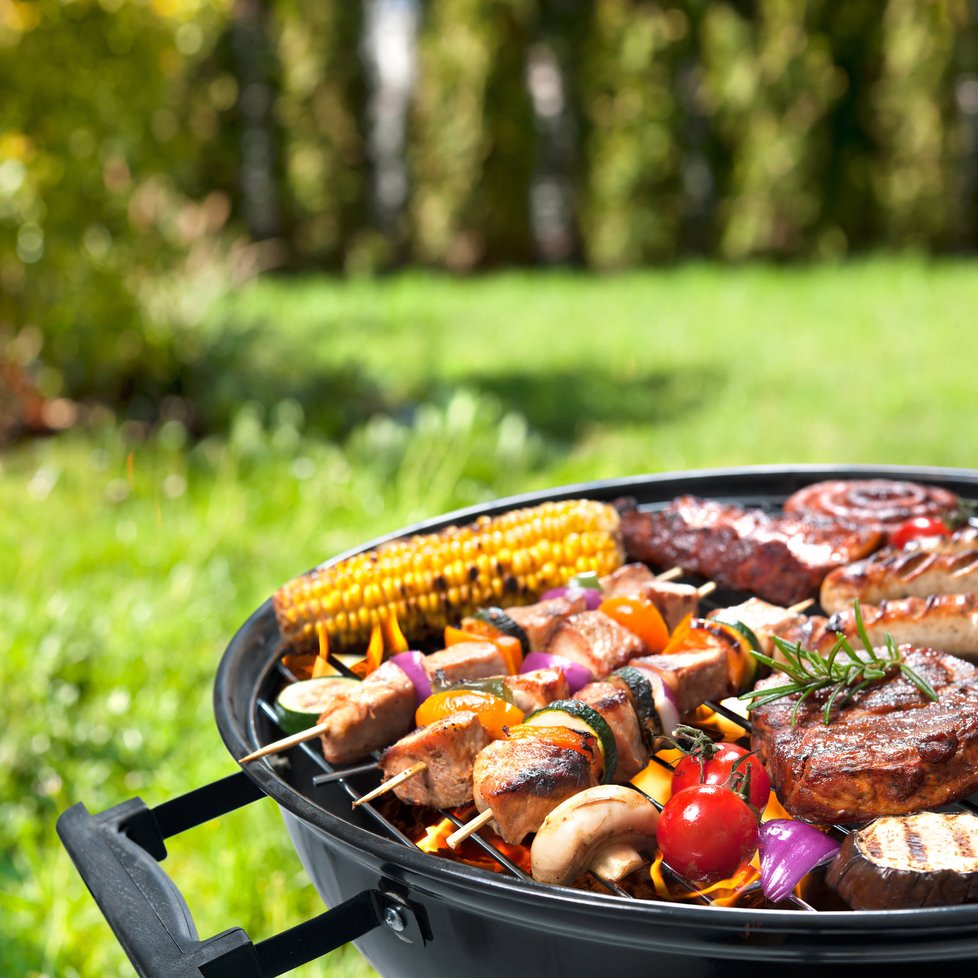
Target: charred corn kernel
433,580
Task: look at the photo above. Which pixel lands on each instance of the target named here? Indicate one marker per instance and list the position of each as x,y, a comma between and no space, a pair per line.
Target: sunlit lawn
127,564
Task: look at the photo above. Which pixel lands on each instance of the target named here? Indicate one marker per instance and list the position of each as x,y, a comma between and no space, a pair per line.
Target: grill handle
117,853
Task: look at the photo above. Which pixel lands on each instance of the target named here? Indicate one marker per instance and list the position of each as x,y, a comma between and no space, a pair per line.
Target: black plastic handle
117,853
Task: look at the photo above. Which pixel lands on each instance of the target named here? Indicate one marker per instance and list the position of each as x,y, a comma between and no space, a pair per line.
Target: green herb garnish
845,674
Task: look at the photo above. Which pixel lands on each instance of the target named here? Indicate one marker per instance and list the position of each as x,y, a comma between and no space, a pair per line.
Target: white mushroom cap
603,826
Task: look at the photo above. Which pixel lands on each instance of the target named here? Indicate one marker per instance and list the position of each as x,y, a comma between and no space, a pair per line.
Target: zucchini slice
580,716
300,704
643,699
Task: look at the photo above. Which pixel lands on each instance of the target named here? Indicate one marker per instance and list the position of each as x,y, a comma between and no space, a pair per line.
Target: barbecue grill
411,913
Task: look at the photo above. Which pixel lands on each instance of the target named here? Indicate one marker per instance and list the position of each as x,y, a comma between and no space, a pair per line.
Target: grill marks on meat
780,558
614,704
900,574
693,677
889,752
539,621
448,747
523,780
595,641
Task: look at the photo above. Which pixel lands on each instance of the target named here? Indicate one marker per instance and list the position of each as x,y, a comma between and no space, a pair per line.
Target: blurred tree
912,105
770,83
631,193
322,112
472,141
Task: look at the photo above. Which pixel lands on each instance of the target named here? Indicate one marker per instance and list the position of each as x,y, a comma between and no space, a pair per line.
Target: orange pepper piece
566,737
641,617
493,712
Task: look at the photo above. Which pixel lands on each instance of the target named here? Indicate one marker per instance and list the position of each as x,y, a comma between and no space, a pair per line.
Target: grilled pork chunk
448,747
596,641
523,780
693,677
534,690
673,601
614,704
541,620
467,660
925,860
890,751
763,619
780,558
373,713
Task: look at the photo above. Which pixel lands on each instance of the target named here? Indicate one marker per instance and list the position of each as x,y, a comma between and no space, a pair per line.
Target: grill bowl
416,914
479,923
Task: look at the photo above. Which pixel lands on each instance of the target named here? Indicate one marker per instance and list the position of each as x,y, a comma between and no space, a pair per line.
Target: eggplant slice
929,859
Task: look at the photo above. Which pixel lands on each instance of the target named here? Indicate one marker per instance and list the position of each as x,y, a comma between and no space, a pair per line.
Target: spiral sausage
877,504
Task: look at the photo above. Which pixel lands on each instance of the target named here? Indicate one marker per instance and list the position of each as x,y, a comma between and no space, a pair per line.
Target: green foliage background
751,129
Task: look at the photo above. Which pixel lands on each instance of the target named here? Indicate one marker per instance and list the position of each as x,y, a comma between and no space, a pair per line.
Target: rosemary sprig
843,671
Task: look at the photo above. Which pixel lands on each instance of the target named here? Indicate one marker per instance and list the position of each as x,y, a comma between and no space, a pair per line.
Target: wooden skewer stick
392,783
670,575
704,589
797,609
470,828
286,742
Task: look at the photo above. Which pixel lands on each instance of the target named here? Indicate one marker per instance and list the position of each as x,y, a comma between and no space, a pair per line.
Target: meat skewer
381,708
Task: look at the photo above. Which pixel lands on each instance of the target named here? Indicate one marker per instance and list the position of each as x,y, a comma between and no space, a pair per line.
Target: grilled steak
614,704
448,747
890,751
595,641
925,860
523,780
780,558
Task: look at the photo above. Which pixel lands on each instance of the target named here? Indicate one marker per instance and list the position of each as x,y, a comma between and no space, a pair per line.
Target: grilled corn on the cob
435,579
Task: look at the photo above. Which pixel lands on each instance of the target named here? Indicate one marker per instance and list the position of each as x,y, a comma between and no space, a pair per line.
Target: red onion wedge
575,674
790,850
665,702
585,585
412,665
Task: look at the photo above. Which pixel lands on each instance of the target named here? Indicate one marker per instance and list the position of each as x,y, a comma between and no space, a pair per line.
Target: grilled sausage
925,860
901,574
948,622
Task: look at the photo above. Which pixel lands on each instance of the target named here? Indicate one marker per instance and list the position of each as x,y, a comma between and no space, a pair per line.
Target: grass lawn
127,563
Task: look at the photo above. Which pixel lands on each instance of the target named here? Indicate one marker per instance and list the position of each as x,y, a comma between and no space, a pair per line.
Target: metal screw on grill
395,920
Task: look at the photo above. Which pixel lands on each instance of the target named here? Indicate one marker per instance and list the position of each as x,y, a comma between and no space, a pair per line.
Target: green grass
126,564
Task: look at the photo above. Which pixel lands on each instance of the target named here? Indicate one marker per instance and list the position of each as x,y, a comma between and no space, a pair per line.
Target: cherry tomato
919,526
717,770
706,832
640,617
493,712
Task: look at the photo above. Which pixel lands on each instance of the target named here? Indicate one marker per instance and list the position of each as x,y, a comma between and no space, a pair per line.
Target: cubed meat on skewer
673,601
763,619
534,690
523,780
694,677
448,748
614,704
595,641
539,621
373,713
466,660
